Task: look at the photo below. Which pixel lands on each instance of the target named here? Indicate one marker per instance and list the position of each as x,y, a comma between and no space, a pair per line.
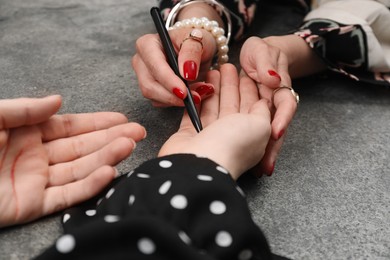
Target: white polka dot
165,187
99,201
217,207
109,193
91,212
130,173
65,244
146,246
245,254
131,199
240,191
223,239
65,218
111,218
223,170
179,202
183,236
204,177
143,175
165,164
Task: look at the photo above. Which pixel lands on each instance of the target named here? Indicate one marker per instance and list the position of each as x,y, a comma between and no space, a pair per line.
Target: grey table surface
329,197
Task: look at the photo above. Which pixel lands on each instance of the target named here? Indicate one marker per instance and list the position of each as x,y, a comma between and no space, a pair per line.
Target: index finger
151,52
27,111
60,126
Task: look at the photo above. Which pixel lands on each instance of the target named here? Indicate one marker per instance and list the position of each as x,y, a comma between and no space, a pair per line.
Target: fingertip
56,100
110,172
55,97
121,148
228,68
137,131
196,97
179,92
116,172
119,117
265,167
203,89
270,169
99,179
145,132
190,70
134,143
277,130
274,74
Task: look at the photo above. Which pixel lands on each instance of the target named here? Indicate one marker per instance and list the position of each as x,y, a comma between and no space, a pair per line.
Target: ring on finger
195,35
295,94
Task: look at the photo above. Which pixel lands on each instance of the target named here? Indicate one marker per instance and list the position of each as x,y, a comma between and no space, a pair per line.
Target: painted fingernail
274,74
178,92
190,69
196,99
205,90
271,170
281,133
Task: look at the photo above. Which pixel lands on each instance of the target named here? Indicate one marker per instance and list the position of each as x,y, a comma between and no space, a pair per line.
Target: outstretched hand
236,125
49,162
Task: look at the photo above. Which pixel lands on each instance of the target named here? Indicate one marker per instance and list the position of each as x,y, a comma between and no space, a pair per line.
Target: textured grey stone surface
329,197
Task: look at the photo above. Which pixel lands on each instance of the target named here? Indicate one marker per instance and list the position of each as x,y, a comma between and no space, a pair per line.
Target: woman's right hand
157,80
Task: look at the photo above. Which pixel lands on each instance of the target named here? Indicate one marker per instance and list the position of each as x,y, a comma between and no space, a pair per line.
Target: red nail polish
281,133
205,90
178,92
190,69
274,74
271,170
196,99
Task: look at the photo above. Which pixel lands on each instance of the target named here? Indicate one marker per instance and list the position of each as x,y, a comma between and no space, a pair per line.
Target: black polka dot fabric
174,207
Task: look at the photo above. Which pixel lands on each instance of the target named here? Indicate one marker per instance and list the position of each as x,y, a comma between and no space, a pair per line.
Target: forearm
302,60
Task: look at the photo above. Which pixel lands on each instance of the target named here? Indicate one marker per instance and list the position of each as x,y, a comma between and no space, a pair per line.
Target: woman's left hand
268,66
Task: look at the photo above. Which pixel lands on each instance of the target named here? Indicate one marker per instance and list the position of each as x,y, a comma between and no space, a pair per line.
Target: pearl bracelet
217,32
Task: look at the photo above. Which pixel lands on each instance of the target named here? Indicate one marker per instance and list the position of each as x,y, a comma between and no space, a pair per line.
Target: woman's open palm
49,162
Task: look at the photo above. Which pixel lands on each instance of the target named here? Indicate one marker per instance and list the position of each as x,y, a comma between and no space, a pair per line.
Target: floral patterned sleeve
352,37
242,13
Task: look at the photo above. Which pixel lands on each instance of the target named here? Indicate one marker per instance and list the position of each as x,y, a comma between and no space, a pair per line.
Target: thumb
27,111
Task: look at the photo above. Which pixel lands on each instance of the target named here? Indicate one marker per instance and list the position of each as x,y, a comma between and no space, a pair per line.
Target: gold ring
195,35
295,94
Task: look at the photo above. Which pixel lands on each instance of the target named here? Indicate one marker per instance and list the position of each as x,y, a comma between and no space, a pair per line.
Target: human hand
268,66
236,124
50,162
157,80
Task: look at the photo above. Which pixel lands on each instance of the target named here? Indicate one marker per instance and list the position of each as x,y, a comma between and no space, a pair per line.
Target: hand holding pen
172,60
158,82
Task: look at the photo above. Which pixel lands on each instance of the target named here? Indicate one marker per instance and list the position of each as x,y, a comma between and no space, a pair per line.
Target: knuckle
146,92
142,41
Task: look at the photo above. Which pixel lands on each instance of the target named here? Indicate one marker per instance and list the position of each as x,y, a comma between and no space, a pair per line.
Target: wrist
212,29
200,10
302,61
196,9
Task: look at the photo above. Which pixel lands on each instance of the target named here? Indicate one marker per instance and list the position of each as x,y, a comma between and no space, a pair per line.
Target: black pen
172,61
